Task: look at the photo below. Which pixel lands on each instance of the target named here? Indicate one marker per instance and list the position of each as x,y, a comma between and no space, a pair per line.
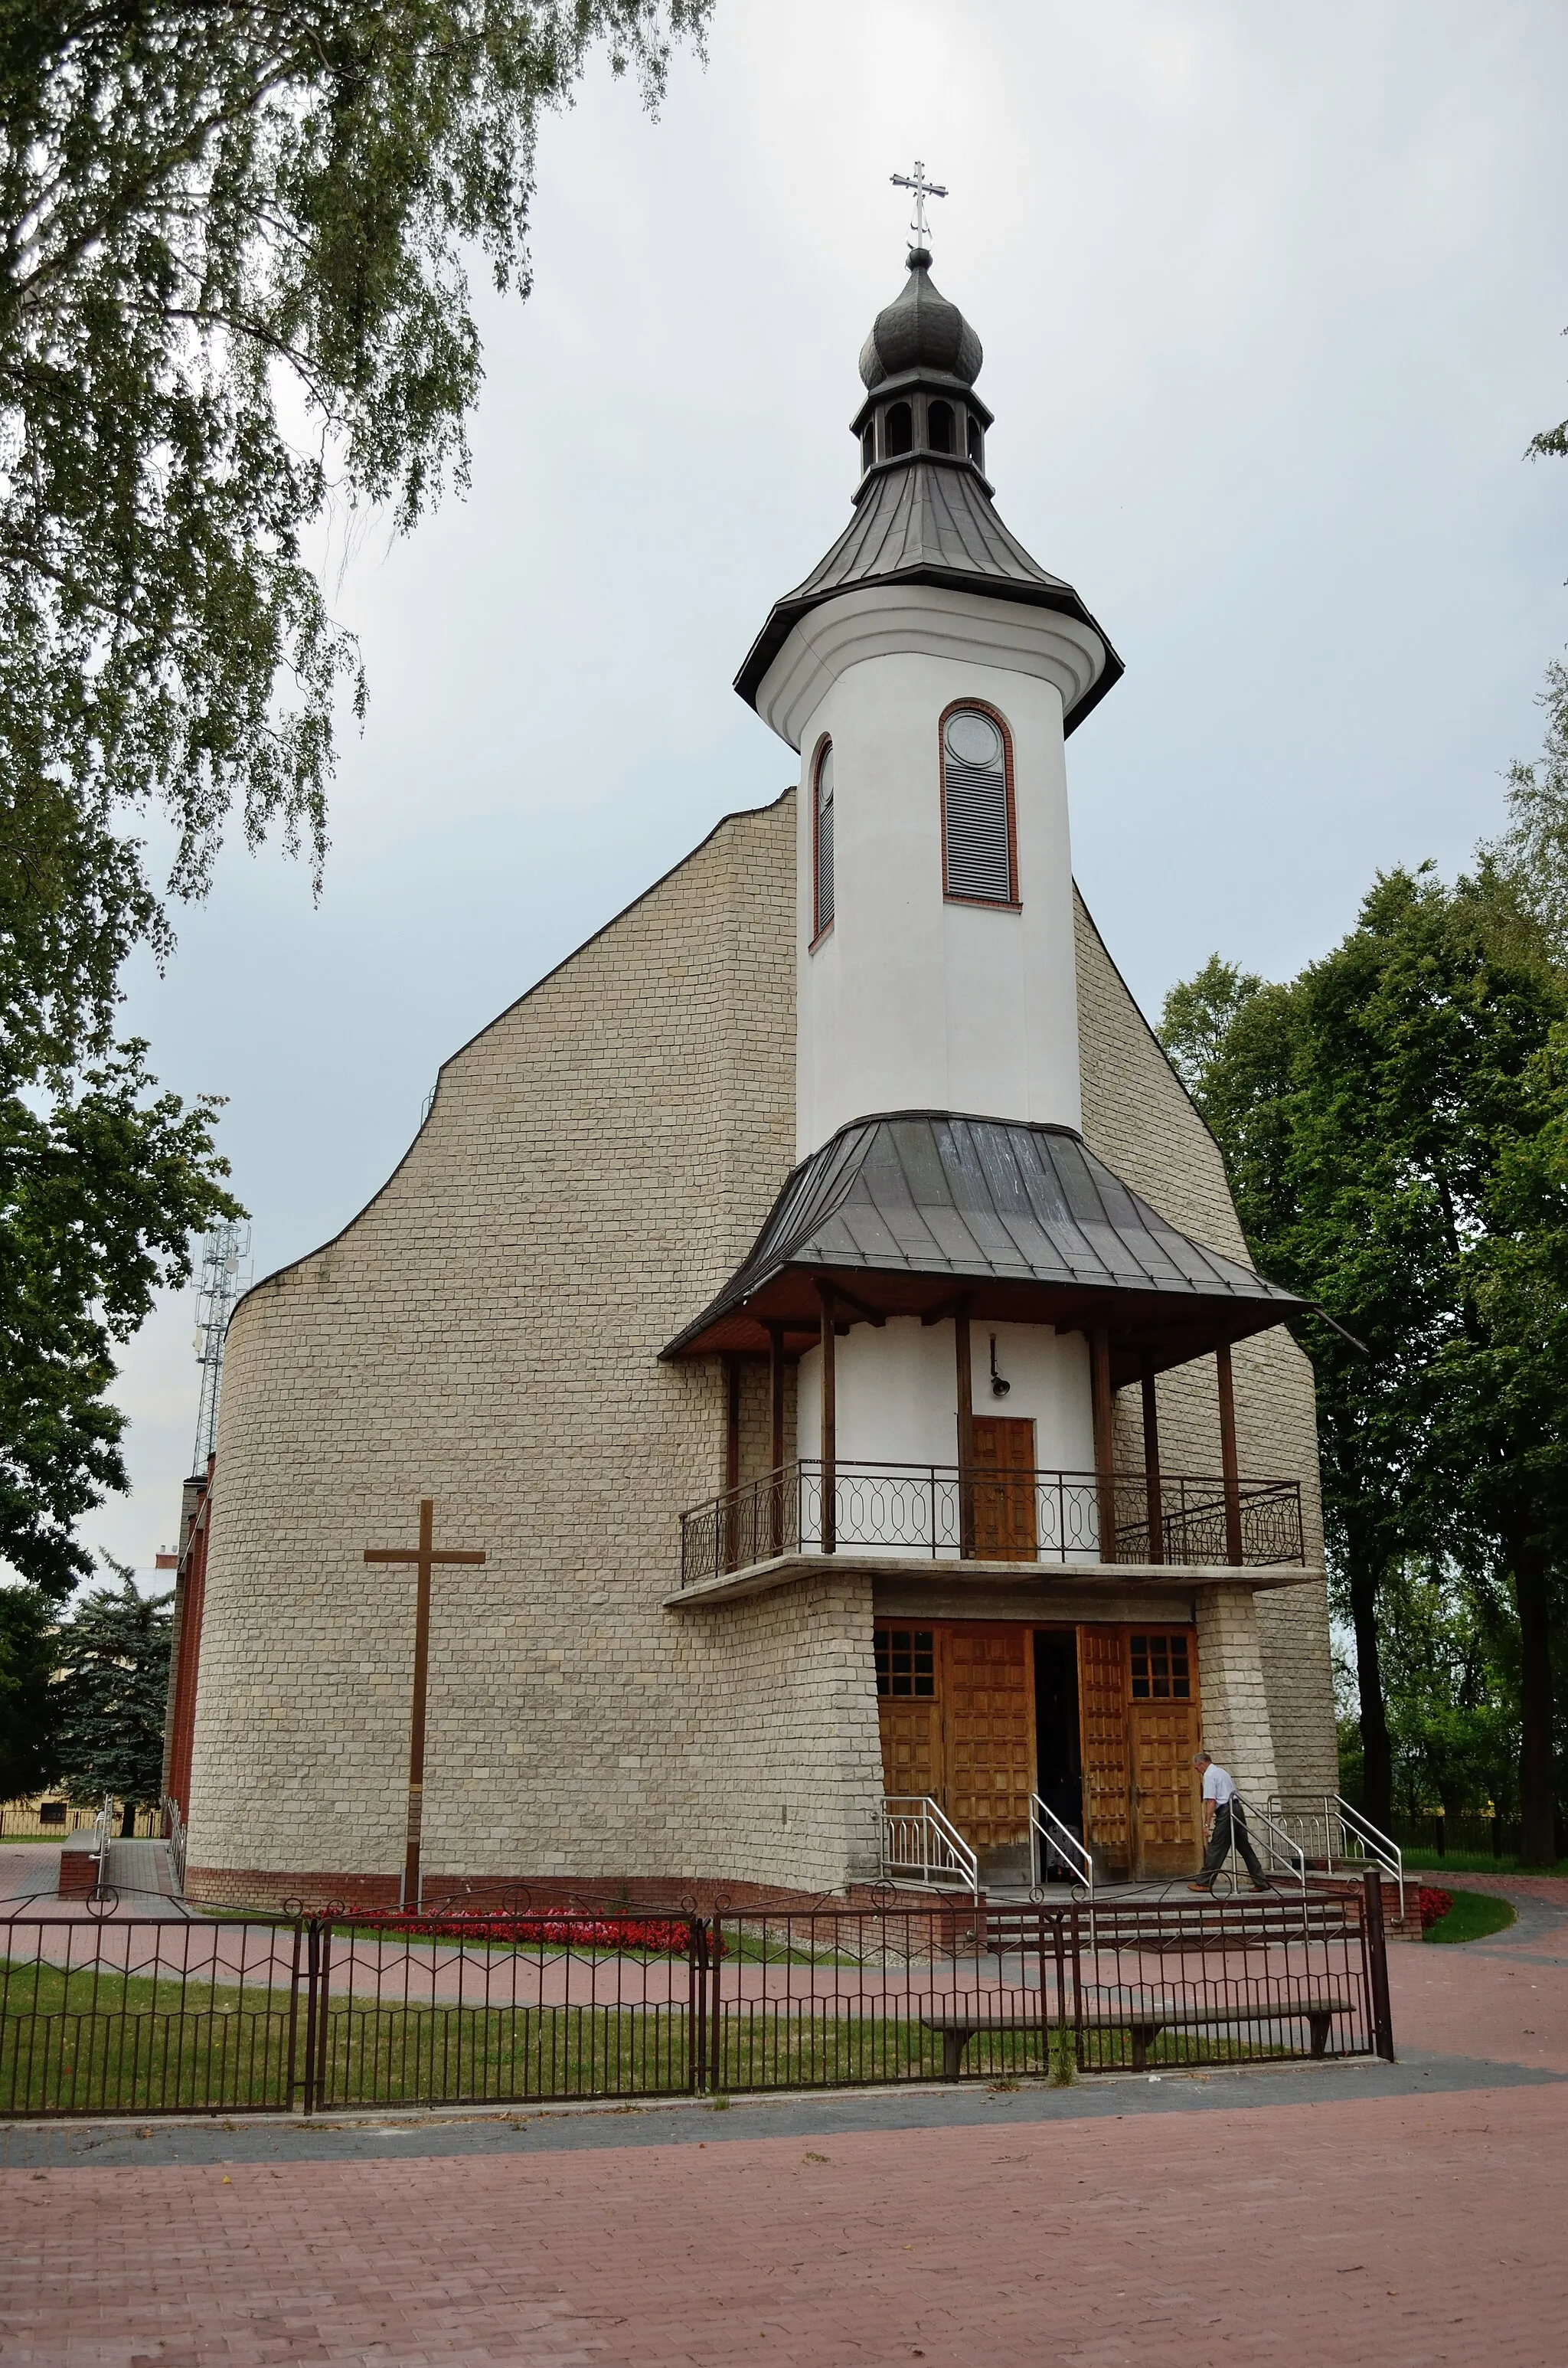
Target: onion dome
924,512
920,330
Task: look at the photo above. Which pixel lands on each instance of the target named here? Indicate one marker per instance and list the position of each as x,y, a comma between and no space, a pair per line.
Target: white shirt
1218,1785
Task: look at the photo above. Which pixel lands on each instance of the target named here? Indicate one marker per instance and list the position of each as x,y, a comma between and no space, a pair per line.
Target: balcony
937,1512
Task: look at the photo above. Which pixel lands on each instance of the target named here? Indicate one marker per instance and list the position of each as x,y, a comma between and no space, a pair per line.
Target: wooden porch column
776,1392
966,1431
1228,1466
776,1401
1151,1464
1105,1445
732,1459
829,1426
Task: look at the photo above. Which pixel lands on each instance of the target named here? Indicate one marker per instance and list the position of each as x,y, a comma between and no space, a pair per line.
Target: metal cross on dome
923,189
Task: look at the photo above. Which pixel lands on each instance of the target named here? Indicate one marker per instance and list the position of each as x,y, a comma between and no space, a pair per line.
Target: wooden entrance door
988,1730
1102,1715
1003,1488
1162,1712
956,1709
909,1712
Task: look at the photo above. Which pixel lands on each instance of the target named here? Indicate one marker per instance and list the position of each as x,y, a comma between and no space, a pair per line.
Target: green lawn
103,2042
1426,1861
1471,1917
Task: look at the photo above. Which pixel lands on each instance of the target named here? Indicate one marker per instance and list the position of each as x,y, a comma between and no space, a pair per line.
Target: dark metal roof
923,1193
921,329
929,522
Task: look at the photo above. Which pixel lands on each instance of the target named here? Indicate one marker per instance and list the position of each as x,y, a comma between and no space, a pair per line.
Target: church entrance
1101,1721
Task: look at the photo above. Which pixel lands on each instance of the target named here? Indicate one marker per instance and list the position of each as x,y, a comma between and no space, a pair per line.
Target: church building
814,1323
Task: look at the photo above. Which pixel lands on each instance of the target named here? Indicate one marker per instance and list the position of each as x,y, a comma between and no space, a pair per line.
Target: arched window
939,427
977,808
822,797
976,442
867,446
900,427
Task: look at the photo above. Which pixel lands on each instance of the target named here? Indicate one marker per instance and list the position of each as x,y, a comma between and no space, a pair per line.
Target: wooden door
1004,1504
1103,1723
1162,1712
989,1722
909,1712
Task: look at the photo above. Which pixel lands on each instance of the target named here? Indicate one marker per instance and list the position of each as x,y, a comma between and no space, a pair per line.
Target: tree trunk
128,1821
1377,1758
1538,1790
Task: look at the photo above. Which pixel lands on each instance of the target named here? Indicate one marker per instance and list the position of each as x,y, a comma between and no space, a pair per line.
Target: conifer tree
115,1660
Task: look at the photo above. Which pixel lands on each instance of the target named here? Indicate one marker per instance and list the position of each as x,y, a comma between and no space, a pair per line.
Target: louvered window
979,840
824,839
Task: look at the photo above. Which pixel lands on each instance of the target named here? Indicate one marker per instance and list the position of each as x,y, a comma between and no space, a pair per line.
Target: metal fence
257,2015
934,1510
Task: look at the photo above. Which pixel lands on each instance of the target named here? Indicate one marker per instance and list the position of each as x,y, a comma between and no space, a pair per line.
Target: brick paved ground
1413,2231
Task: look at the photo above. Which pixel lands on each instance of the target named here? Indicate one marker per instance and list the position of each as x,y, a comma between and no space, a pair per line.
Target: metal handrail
942,1855
1278,1841
1381,1847
175,1833
1353,1825
1047,1832
929,1510
102,1836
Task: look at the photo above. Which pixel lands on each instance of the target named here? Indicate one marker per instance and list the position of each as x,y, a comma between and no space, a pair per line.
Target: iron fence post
1077,1988
1377,1949
696,2006
291,2075
715,2046
313,1969
323,1983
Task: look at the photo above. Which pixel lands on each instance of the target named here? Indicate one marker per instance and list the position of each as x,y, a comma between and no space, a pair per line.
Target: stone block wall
486,1333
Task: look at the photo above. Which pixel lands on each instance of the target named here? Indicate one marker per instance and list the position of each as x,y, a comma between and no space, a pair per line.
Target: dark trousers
1228,1816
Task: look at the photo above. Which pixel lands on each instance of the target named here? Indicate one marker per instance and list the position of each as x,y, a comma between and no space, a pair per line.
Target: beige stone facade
486,1333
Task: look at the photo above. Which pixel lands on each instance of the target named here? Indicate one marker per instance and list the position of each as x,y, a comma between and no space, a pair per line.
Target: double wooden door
957,1723
957,1711
1141,1721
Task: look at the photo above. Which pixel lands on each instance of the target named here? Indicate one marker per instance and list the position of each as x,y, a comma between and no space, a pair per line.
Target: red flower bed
1431,1905
659,1936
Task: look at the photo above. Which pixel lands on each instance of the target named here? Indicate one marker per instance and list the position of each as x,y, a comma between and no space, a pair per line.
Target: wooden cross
425,1555
923,189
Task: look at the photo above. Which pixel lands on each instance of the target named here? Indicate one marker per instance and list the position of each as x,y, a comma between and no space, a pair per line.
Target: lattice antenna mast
225,1253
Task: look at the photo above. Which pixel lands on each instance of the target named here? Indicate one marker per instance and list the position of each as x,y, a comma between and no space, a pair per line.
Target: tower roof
924,515
920,330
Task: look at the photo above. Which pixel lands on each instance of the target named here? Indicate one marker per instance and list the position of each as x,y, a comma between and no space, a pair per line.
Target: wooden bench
1143,2023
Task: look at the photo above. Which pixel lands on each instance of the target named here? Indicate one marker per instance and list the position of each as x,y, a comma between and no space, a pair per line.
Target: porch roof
908,1211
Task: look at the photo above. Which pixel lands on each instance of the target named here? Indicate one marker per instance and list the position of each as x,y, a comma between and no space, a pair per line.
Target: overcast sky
1271,301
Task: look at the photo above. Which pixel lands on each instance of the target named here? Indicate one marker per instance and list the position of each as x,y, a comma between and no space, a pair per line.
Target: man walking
1224,1817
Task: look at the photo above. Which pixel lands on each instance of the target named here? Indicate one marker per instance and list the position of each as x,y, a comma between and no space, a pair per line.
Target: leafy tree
28,1703
1451,1665
1369,1113
1550,441
1532,854
99,1195
234,239
115,1657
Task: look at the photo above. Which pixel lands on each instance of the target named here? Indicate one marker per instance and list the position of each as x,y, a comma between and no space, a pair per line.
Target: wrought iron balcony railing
937,1511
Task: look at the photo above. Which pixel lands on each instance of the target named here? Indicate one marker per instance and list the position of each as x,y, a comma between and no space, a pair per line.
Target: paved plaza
1405,2216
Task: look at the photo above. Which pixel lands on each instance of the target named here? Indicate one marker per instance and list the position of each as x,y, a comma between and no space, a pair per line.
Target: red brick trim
267,1890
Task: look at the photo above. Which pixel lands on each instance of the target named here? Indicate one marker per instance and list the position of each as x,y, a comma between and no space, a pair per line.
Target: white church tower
960,1284
928,672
